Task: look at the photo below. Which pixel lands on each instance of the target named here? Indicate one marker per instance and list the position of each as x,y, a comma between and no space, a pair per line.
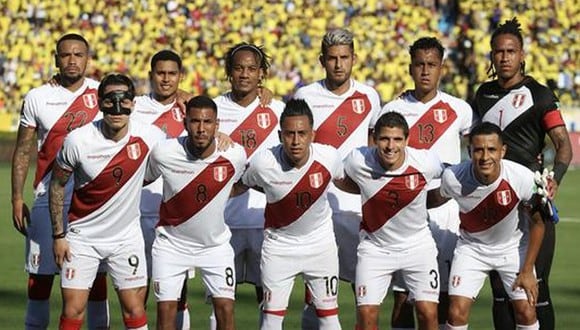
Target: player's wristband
59,236
559,171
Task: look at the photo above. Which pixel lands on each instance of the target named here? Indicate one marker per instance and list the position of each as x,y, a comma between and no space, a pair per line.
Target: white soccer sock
37,314
329,322
309,318
212,320
534,326
182,319
98,314
457,327
271,322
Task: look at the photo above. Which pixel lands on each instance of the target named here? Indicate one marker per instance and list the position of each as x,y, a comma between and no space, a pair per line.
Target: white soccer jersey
254,128
342,121
108,179
394,205
490,218
437,125
297,197
169,118
55,111
195,192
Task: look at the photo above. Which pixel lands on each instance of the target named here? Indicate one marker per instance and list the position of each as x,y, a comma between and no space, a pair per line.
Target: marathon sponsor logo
98,156
358,106
491,96
181,171
455,281
228,120
281,183
69,273
263,120
227,289
56,103
220,173
316,180
322,106
134,278
361,291
90,100
440,115
504,197
134,151
147,112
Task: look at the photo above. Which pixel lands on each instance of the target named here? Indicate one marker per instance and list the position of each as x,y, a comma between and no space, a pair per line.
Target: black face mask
116,98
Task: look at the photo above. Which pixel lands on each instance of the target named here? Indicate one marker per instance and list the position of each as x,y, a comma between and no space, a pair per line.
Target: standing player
49,113
342,110
108,158
497,230
161,108
525,111
437,121
295,176
395,237
253,126
197,181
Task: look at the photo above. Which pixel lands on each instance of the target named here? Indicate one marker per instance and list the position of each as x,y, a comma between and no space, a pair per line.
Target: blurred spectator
128,33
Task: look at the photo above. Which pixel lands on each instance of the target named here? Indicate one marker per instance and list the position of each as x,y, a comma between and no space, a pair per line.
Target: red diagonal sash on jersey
345,119
112,178
82,111
399,192
196,194
171,121
255,129
493,209
431,126
305,193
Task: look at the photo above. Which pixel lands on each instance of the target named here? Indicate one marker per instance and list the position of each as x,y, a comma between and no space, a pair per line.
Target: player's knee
524,313
223,306
99,289
39,286
457,315
426,313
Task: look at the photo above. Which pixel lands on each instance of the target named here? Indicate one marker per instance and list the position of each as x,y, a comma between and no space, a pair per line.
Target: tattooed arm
56,203
20,164
561,140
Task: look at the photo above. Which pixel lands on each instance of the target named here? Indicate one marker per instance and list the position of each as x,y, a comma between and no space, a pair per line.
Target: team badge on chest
90,100
263,120
518,100
134,151
358,106
504,197
177,114
316,180
440,115
412,181
220,173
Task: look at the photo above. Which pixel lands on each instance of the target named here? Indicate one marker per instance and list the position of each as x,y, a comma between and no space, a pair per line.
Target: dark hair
72,36
201,102
261,56
116,79
486,128
391,119
165,55
424,44
508,27
297,107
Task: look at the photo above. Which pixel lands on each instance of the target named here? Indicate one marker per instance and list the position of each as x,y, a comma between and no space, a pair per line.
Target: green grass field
565,278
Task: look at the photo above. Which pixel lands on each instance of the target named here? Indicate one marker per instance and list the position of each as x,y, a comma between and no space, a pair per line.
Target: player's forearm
563,147
536,235
56,195
20,165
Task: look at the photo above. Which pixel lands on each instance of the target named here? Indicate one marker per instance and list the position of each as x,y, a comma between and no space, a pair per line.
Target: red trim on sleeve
552,119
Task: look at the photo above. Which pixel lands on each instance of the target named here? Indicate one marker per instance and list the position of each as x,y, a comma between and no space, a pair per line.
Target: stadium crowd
125,34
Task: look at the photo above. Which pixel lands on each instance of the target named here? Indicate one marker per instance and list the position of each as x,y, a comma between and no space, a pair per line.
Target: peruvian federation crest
90,100
177,114
134,151
412,181
263,120
440,115
358,106
316,180
504,197
69,273
518,100
220,173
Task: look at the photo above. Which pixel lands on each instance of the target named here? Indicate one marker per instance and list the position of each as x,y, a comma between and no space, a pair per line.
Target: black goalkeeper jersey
519,111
